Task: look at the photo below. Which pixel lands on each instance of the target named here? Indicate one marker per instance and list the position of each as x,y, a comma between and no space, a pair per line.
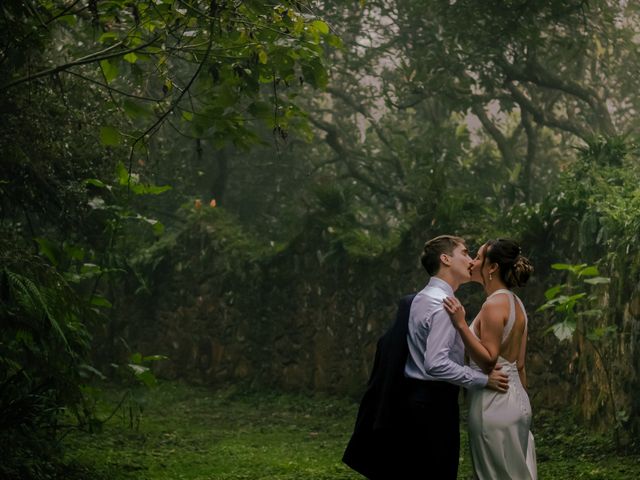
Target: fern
32,300
9,366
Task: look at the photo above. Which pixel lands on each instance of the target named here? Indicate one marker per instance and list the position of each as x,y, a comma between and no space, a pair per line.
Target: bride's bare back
513,344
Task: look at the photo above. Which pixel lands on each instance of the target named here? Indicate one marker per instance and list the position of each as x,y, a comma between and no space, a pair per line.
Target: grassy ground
197,433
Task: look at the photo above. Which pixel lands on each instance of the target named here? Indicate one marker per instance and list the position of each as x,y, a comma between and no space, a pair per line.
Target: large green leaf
136,109
99,301
74,252
137,369
109,136
147,378
598,280
155,358
552,292
84,367
589,271
566,266
131,57
601,332
48,249
109,70
146,189
95,182
564,330
320,26
136,358
122,174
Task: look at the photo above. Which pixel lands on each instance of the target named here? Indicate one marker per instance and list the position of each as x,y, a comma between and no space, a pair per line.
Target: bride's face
476,266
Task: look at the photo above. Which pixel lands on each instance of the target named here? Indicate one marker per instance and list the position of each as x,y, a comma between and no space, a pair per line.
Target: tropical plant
44,343
573,307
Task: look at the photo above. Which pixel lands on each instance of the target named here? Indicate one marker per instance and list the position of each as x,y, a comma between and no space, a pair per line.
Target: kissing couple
408,421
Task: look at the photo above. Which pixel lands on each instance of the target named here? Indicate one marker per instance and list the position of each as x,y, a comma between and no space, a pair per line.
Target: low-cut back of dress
502,446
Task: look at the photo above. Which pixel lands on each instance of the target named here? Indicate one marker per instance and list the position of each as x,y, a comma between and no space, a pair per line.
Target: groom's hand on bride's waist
498,381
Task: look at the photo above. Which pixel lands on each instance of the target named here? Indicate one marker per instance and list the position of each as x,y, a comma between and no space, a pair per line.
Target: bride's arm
485,351
522,372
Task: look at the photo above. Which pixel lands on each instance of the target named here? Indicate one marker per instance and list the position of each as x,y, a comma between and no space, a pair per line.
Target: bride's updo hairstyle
515,269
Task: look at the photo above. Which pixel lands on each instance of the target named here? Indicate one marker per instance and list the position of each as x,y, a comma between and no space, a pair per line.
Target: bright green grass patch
197,433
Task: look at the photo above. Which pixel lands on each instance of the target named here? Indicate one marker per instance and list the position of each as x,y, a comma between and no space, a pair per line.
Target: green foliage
223,58
574,315
43,349
347,228
590,211
136,378
565,298
610,151
140,371
593,216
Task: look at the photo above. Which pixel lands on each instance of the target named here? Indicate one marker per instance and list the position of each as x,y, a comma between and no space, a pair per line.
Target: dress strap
526,319
500,290
511,320
512,317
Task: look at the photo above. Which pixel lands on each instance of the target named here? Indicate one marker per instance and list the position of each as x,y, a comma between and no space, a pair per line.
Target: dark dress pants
432,440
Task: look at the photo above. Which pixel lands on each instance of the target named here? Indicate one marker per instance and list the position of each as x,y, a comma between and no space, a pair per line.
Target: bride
502,446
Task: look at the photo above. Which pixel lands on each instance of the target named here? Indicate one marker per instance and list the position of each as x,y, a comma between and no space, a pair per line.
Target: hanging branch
151,130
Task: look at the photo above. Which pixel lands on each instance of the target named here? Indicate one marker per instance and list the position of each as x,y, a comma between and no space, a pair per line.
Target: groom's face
461,263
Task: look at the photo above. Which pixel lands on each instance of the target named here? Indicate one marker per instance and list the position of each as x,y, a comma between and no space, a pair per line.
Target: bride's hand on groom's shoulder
456,311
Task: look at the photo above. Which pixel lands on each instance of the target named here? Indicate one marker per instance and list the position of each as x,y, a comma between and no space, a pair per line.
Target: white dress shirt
436,350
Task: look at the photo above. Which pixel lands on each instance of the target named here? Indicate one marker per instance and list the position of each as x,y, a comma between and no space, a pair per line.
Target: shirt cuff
480,381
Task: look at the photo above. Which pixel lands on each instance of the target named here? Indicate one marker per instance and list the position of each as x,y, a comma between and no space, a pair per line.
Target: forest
210,209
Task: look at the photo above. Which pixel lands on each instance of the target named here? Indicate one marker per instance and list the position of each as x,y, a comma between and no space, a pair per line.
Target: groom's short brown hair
435,247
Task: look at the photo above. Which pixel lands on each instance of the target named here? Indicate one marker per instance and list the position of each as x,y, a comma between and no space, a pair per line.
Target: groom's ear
445,259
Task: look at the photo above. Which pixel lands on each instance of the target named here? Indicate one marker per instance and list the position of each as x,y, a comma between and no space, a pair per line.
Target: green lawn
198,433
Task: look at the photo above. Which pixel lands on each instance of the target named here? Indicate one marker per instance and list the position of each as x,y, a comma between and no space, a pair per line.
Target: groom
435,365
408,422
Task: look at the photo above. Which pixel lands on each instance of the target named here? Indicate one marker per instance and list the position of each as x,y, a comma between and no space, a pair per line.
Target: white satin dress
502,446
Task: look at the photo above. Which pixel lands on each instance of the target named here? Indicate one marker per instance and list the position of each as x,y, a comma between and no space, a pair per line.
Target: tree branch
532,147
164,115
113,89
501,141
543,117
535,73
420,97
358,107
332,139
91,58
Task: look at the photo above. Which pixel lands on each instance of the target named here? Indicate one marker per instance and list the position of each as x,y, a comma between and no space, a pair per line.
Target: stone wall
304,318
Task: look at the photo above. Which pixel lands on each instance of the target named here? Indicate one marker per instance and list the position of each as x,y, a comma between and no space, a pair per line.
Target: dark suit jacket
376,444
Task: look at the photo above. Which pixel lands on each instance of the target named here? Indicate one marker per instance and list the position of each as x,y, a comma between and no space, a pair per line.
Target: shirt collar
441,284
